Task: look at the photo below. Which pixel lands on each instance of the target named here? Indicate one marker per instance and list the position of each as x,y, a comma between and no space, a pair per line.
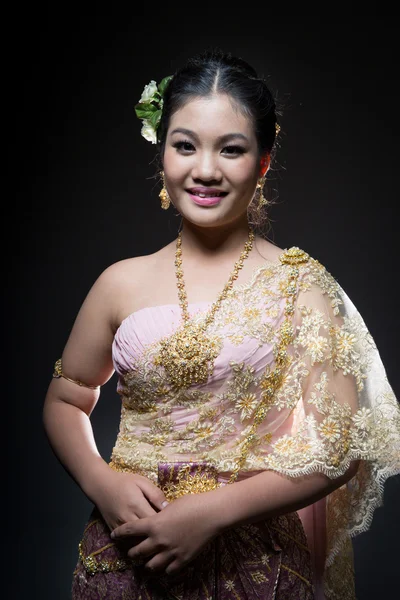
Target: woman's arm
168,547
67,408
269,494
70,434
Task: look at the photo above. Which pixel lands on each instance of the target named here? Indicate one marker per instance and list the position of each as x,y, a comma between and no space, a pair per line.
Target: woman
257,424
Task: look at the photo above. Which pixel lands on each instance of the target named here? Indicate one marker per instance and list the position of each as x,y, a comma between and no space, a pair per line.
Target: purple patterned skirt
267,560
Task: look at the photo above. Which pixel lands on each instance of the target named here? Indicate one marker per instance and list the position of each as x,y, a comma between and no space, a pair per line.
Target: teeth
203,195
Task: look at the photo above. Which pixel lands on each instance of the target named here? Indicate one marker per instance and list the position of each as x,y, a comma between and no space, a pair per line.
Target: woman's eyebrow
230,136
221,139
185,132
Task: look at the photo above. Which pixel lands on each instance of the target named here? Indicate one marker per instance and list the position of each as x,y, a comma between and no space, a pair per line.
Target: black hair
212,72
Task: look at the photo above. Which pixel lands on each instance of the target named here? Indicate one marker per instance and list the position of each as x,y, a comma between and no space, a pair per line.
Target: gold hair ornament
59,373
149,108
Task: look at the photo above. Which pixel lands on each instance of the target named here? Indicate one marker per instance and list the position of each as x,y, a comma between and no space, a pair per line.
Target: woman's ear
264,164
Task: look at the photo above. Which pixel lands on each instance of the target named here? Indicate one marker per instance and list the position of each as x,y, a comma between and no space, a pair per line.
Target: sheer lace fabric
334,404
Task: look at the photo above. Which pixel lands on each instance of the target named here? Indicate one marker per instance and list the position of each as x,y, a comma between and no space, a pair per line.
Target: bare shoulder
268,250
87,355
126,272
134,282
133,271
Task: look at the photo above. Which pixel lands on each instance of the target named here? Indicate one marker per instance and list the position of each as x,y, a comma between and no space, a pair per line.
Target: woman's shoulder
132,282
317,286
289,255
292,256
300,267
303,259
136,267
128,270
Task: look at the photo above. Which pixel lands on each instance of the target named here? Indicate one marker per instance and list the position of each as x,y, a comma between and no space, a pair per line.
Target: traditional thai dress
298,387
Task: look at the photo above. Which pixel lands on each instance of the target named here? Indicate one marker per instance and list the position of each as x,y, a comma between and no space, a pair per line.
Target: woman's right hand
122,497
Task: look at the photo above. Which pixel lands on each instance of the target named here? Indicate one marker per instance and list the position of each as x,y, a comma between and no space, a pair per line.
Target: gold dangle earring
261,200
163,195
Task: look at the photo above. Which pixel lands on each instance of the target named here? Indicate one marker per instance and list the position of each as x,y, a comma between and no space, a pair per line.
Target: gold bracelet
58,373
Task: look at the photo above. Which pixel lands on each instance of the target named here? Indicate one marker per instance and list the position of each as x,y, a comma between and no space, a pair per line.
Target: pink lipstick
206,196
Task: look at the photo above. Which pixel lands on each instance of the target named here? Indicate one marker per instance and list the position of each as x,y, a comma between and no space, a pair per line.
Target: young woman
257,424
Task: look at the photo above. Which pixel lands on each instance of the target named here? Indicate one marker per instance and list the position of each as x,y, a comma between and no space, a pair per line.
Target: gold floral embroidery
350,345
317,275
333,403
94,565
252,313
202,479
236,339
158,432
246,404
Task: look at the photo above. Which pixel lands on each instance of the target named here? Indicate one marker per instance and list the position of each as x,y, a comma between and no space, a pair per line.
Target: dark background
86,198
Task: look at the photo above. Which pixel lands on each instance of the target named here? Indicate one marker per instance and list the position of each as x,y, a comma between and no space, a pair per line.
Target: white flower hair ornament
149,108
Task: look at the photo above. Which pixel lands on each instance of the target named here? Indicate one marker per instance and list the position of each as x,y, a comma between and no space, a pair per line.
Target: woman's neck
212,242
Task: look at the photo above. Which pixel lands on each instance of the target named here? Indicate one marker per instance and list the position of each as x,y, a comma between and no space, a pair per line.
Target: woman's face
211,161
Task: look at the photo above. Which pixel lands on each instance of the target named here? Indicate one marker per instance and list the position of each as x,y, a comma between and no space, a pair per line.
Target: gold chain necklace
188,355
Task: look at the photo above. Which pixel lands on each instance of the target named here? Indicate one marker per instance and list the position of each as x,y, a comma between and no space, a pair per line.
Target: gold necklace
188,355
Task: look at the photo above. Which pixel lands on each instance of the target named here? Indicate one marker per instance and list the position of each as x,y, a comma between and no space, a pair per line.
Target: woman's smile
204,196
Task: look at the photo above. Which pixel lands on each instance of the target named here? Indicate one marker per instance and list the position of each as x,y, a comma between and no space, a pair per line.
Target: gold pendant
188,355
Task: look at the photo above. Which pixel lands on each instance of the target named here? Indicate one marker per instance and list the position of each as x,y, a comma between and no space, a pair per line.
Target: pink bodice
330,405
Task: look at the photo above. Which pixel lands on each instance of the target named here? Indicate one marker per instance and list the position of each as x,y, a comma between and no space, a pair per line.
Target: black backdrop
86,198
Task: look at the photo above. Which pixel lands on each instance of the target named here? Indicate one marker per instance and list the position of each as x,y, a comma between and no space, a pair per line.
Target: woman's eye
184,146
233,150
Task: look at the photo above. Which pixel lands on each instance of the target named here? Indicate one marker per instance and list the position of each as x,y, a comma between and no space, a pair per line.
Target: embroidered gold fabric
300,386
95,564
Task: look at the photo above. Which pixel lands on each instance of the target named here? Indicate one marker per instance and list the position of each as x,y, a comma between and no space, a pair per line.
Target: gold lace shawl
333,404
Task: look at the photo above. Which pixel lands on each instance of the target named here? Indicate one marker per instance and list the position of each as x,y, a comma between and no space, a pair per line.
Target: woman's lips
206,198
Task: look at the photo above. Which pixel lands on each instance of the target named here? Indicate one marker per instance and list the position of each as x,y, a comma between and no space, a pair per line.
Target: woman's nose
206,167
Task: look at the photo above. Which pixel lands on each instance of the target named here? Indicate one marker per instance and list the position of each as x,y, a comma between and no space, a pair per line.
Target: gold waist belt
178,479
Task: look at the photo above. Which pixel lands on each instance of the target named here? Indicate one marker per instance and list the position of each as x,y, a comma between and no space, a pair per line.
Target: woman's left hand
173,536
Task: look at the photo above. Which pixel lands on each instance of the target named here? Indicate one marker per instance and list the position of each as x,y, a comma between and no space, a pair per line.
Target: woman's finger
143,549
152,493
138,527
160,562
144,508
174,567
113,523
